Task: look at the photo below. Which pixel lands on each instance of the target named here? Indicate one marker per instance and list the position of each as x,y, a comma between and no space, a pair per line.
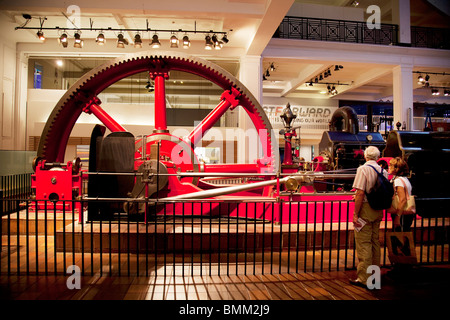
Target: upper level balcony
359,32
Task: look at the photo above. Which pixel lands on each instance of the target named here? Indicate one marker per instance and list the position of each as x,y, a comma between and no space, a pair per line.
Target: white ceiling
249,24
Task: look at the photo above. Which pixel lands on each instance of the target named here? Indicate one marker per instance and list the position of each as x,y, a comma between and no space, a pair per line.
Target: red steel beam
93,107
229,98
159,76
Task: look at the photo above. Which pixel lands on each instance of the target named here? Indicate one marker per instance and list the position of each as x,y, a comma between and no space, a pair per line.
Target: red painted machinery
56,185
163,166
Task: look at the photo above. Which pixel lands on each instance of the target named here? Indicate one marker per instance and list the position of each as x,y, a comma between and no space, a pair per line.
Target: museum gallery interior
211,138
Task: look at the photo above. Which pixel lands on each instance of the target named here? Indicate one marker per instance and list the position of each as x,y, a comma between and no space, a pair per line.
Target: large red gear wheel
66,112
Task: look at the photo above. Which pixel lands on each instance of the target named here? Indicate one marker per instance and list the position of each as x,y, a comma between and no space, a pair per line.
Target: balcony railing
336,30
430,37
359,32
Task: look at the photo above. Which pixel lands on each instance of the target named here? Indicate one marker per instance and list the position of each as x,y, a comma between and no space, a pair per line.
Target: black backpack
380,197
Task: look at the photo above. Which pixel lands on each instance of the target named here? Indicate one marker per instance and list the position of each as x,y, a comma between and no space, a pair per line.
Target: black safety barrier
43,237
15,186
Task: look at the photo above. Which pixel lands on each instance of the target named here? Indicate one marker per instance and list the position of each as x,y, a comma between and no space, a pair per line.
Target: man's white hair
372,153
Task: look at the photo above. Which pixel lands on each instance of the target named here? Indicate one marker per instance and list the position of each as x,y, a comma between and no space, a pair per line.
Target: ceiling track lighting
272,67
137,41
325,74
174,41
121,41
40,35
425,81
210,42
217,43
150,87
186,42
78,42
269,69
436,92
63,40
155,44
330,86
100,39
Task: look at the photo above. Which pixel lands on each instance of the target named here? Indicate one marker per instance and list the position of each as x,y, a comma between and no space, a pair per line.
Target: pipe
234,189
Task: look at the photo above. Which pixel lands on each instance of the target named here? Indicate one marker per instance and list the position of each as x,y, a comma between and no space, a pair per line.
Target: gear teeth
60,117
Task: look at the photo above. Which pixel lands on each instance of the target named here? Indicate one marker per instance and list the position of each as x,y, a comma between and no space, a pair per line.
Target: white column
20,136
403,95
401,15
250,74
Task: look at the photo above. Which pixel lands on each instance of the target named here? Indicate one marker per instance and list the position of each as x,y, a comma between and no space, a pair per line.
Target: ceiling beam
304,76
365,78
276,11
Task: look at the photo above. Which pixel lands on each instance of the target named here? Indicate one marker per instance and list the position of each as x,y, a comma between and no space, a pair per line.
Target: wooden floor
175,280
426,283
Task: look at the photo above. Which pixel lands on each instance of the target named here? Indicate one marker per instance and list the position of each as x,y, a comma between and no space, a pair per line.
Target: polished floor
419,282
180,281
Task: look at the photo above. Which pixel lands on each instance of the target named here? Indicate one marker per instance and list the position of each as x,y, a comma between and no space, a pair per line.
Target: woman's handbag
410,205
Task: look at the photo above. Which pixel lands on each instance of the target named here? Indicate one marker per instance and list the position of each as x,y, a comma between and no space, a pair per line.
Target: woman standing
399,168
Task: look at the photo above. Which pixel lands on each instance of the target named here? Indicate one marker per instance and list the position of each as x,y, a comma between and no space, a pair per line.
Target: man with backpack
367,216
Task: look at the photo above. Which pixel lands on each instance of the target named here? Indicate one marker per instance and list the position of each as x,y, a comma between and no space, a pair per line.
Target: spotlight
446,92
310,83
434,92
316,80
225,39
217,44
155,42
121,41
173,41
63,40
272,67
208,43
420,80
100,39
332,90
267,73
137,41
150,87
186,42
78,42
40,35
320,77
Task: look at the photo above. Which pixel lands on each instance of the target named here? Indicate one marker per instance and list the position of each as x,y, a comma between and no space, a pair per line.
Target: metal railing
16,186
359,32
38,238
425,37
336,30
